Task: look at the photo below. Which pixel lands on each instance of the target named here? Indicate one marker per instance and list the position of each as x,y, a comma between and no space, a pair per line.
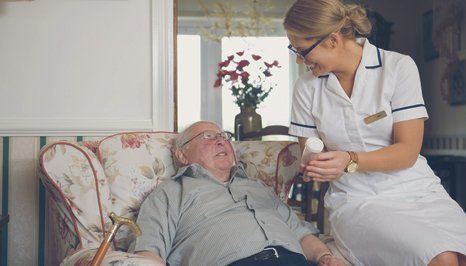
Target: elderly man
212,214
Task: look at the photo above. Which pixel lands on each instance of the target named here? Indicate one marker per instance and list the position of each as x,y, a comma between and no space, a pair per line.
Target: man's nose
219,140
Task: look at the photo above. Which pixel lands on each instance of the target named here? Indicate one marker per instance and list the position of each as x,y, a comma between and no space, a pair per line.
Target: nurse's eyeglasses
302,54
210,135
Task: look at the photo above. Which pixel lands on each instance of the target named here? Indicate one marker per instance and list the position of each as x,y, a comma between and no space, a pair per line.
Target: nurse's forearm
407,138
391,158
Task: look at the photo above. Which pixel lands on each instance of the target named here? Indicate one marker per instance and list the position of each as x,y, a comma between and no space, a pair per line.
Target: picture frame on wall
457,84
430,51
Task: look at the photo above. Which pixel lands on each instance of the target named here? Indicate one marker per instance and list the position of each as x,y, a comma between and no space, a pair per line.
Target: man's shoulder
167,188
169,185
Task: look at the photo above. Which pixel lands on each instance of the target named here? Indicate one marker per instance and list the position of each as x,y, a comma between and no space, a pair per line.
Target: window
197,68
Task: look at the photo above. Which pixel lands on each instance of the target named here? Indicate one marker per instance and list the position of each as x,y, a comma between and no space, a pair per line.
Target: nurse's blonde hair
318,18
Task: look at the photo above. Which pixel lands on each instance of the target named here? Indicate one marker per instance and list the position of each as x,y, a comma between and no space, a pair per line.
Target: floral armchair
86,181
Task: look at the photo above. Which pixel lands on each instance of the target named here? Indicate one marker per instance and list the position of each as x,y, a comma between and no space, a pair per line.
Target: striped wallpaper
24,240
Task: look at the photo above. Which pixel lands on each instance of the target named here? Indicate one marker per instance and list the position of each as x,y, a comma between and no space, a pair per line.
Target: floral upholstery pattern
275,163
134,164
88,180
77,183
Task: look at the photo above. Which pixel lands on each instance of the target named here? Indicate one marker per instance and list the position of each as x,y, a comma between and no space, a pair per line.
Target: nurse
386,205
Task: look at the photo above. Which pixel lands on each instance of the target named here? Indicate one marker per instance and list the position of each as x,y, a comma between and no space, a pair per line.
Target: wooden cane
117,222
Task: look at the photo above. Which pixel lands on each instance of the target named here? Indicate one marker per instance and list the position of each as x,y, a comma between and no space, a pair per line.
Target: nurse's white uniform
378,218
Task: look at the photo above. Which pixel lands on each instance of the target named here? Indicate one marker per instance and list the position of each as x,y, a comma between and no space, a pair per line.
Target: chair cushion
84,257
134,164
77,183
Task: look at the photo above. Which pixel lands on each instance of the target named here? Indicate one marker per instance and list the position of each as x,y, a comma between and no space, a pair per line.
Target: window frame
211,54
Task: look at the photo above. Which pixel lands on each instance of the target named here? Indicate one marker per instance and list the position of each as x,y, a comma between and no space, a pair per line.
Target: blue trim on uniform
380,61
41,255
5,181
324,76
301,125
407,107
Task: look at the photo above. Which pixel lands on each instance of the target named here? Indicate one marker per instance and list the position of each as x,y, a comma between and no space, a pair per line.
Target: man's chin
226,165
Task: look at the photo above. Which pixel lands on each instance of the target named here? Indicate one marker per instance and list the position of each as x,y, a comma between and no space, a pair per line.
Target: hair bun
322,17
358,20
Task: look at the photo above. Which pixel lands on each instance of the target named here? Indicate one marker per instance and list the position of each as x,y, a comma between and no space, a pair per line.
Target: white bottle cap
314,145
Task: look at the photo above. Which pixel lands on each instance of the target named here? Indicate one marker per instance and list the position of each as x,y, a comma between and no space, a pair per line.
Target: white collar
371,57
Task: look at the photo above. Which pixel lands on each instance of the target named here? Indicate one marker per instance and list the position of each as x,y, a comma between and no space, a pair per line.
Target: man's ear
181,157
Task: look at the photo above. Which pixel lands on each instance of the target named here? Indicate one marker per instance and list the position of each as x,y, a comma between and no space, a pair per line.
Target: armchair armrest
276,163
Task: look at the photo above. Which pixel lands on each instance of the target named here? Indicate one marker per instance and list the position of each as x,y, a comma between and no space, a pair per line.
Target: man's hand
330,260
316,251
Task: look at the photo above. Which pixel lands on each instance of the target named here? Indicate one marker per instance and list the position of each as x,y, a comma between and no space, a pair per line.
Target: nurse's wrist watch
352,165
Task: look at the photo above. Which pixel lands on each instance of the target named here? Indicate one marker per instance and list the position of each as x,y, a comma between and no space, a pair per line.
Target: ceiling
271,8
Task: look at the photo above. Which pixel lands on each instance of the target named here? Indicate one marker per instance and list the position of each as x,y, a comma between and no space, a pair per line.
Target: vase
247,121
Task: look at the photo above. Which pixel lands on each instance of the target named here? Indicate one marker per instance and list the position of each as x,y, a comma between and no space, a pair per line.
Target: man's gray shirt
195,219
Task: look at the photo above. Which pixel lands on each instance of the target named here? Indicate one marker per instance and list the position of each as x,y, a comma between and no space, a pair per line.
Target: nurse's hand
326,166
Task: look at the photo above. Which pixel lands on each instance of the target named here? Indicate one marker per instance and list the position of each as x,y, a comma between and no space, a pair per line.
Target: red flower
275,63
233,75
256,57
224,63
242,64
222,73
218,83
240,72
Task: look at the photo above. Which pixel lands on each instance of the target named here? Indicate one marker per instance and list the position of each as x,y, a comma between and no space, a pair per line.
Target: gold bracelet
323,256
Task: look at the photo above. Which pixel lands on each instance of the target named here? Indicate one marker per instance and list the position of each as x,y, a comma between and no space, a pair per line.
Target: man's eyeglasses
304,53
211,135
